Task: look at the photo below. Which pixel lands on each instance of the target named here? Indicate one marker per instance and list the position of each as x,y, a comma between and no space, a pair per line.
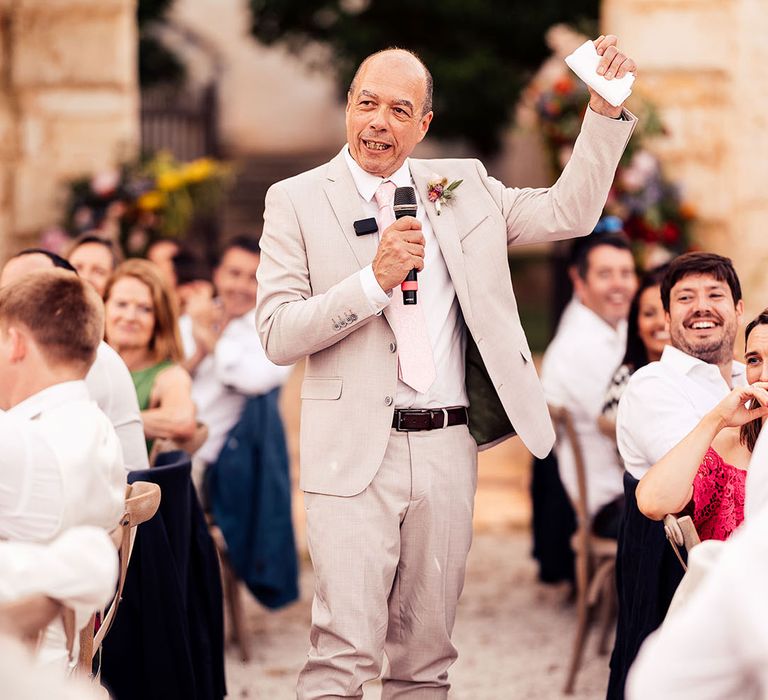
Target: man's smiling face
384,112
703,318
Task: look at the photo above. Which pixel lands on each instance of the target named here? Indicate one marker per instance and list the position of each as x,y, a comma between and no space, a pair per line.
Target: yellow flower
150,201
199,170
170,180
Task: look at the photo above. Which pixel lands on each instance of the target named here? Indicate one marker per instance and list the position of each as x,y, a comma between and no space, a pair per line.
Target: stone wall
68,104
702,62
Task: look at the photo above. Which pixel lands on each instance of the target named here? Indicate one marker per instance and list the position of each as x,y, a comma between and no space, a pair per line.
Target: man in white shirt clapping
224,353
580,361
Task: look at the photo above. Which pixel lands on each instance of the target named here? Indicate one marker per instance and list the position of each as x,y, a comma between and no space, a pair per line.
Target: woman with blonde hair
142,325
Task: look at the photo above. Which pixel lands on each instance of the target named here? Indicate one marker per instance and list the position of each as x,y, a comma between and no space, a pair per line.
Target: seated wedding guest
141,324
108,380
647,335
95,259
707,469
161,252
662,403
61,464
224,353
578,365
193,279
715,647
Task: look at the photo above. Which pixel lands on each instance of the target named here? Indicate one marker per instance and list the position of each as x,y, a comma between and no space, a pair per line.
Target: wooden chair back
681,532
142,499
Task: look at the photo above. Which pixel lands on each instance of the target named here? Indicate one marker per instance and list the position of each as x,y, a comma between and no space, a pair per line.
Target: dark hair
716,266
63,313
57,260
250,244
190,267
749,432
86,238
582,247
636,356
429,82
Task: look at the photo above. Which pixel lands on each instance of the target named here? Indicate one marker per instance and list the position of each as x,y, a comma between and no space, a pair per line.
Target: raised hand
732,411
613,64
401,249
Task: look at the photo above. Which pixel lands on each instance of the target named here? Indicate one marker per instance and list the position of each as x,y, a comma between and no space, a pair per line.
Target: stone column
702,62
68,104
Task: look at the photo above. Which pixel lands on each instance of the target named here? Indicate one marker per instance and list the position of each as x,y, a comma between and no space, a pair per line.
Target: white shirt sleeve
653,417
241,363
716,646
110,385
757,477
377,297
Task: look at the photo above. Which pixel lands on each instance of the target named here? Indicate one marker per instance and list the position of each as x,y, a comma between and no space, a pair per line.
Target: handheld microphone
404,204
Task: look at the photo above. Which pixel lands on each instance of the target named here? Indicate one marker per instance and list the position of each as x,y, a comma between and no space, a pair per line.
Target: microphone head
404,202
404,195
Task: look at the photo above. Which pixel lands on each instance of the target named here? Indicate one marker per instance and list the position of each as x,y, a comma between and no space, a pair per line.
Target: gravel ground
514,635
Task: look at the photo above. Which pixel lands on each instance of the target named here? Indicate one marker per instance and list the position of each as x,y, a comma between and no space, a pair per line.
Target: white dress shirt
715,647
663,402
111,387
221,383
576,369
437,297
61,465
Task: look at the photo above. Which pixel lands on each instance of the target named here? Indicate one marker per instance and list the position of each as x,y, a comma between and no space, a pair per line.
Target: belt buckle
401,413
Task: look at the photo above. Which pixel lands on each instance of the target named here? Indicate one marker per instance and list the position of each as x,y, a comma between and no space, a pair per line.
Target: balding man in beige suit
396,398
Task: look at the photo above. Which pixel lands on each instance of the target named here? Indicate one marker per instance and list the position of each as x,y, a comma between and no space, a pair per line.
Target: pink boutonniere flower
439,191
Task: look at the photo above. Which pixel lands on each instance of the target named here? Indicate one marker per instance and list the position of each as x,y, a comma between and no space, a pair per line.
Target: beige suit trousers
389,569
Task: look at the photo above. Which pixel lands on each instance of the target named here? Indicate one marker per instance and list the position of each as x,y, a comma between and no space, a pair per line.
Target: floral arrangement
649,205
138,202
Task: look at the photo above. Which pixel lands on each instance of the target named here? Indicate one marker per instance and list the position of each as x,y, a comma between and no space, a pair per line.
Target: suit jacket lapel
345,202
446,232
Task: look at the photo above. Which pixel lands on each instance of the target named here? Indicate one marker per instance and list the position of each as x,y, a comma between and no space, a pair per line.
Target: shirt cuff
377,297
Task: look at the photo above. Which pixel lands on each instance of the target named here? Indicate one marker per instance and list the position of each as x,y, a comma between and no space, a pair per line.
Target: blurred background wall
68,104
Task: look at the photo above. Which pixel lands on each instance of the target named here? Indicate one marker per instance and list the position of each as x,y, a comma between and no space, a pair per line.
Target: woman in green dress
142,325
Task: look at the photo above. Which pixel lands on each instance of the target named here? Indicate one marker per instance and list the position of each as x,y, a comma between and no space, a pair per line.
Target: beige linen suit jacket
311,302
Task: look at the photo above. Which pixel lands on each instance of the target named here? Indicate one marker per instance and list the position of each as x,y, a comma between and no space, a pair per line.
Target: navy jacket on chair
249,489
167,642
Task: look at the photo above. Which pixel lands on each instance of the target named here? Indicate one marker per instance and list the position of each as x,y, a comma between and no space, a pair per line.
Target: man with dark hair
108,380
664,400
95,259
579,363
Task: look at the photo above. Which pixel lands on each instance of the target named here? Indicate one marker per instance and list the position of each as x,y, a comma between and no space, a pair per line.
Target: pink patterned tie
416,365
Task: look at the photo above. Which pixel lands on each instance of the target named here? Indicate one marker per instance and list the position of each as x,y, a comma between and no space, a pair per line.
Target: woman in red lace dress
705,473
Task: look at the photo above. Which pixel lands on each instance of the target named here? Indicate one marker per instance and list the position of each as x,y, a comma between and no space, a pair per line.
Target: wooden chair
681,532
232,588
595,559
142,500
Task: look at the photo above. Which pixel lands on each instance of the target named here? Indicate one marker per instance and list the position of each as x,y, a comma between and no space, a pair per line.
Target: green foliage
481,53
156,63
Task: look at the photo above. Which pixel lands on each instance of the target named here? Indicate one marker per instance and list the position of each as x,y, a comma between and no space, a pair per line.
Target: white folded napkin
583,61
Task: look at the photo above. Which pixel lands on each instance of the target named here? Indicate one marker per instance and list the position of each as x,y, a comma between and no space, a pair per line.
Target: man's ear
17,345
739,309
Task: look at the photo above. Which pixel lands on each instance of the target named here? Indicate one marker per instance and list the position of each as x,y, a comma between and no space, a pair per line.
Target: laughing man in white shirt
580,361
224,353
665,400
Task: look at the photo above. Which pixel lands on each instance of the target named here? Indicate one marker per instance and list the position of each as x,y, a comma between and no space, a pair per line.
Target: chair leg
609,605
232,593
582,624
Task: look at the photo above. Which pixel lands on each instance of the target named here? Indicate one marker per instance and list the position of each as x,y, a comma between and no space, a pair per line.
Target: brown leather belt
409,420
